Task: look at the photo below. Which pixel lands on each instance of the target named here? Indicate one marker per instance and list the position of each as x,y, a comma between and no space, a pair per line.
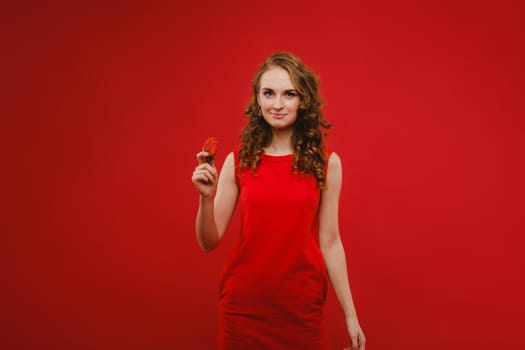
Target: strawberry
210,146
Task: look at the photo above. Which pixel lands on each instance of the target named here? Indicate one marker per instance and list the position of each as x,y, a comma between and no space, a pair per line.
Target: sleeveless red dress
274,284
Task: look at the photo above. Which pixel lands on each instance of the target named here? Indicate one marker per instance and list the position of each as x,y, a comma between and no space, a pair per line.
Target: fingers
357,341
355,345
362,341
205,173
357,337
201,157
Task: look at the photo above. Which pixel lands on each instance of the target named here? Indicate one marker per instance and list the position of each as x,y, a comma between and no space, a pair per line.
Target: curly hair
308,130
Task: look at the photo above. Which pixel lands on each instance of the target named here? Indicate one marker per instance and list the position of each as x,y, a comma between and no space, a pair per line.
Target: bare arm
333,251
218,197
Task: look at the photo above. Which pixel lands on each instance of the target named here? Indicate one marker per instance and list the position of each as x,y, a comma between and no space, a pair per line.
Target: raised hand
205,176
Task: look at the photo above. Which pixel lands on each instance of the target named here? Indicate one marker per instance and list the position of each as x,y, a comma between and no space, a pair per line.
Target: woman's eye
291,94
267,93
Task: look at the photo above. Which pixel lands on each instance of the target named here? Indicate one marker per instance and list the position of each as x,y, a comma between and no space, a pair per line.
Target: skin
279,103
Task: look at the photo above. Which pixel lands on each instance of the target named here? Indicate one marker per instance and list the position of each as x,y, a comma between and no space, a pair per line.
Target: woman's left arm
333,251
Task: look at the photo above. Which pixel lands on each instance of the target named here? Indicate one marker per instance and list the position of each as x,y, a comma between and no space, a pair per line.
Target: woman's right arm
218,197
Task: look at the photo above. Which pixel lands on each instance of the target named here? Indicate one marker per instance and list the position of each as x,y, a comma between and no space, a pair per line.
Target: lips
278,115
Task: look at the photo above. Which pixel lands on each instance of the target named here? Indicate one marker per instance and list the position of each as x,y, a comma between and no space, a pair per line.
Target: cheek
264,103
266,106
293,106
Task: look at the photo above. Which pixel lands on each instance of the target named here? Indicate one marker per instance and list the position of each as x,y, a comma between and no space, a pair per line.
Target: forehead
276,78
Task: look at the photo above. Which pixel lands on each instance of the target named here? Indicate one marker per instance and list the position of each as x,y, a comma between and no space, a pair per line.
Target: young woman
273,286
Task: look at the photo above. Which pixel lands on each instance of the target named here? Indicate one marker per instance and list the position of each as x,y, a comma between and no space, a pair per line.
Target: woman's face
278,98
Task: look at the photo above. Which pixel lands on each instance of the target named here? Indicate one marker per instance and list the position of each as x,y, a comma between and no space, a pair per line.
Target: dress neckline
277,158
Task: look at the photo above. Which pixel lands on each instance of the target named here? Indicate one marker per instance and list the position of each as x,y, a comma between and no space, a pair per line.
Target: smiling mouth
278,115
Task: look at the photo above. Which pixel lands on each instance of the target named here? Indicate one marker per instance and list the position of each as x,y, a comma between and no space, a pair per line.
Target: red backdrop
104,107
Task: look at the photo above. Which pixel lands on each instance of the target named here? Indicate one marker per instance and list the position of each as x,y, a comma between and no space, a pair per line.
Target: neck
281,142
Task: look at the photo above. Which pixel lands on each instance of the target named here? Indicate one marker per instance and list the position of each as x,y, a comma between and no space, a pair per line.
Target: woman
273,286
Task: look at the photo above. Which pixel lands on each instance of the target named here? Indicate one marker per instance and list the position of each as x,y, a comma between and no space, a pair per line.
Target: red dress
273,286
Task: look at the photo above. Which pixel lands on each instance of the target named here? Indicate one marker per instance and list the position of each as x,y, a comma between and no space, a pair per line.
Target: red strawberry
210,146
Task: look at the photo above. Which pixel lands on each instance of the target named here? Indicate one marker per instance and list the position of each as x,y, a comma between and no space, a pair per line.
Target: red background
104,107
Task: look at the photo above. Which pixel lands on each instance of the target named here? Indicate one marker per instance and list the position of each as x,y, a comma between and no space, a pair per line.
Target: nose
277,104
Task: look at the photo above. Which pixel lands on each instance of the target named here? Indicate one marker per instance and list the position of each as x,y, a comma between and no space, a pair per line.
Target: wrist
351,315
207,199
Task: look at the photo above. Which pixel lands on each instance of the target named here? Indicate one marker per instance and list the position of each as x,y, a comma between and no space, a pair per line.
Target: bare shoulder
230,159
334,160
334,165
227,188
228,169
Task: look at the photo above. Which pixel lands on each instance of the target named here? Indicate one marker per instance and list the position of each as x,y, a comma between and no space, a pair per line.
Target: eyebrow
268,89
